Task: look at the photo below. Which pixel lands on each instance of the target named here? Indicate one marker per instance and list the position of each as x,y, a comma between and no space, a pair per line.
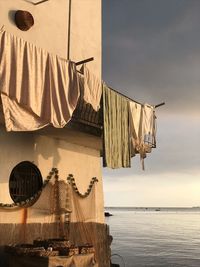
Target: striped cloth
116,130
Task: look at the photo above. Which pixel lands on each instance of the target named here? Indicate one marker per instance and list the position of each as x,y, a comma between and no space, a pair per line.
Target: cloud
152,52
153,191
177,149
173,166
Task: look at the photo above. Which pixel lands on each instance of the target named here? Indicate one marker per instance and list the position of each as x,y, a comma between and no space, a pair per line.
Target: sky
151,53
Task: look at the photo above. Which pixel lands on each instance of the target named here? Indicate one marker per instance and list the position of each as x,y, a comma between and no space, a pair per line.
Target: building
51,139
75,149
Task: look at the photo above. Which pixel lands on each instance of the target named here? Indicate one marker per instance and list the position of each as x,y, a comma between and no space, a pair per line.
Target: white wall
14,149
72,153
51,27
86,33
51,24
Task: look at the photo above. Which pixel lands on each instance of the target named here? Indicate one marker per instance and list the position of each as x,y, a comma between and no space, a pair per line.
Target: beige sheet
147,132
135,122
42,88
148,128
92,88
18,118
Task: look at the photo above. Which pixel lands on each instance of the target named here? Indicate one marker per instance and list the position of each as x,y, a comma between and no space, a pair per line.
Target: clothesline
131,99
129,129
53,97
91,59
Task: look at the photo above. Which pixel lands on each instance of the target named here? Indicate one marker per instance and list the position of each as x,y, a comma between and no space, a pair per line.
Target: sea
155,237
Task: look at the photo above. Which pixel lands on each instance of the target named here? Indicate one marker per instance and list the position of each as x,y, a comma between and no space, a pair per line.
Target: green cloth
116,130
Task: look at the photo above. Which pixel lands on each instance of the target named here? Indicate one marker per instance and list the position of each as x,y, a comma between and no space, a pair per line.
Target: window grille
25,181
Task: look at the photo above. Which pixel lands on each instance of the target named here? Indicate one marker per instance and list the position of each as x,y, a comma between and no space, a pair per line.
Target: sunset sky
151,52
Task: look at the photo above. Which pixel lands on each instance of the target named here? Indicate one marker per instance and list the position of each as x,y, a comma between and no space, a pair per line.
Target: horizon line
152,207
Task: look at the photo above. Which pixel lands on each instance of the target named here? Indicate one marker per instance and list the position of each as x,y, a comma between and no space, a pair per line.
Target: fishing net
45,203
83,211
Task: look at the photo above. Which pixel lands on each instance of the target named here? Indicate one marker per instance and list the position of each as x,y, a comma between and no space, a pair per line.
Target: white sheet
37,88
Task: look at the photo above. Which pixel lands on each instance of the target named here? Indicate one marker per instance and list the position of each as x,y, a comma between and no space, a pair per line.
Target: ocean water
156,237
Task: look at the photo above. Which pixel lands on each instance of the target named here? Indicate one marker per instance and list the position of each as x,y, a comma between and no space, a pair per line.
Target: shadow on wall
11,16
47,148
15,147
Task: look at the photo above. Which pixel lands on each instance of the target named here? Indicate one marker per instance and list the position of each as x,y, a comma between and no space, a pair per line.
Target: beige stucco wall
51,27
72,153
86,33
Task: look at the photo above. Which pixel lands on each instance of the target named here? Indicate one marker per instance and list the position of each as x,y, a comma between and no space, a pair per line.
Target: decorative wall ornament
71,181
24,20
29,201
25,180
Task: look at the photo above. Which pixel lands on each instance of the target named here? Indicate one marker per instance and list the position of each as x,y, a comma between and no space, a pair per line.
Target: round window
25,181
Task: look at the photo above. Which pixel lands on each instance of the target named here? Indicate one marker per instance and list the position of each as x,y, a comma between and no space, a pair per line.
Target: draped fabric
142,129
148,125
135,123
17,118
37,88
116,130
91,87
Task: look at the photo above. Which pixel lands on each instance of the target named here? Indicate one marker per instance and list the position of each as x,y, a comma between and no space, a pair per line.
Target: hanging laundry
17,118
91,87
142,129
37,88
148,126
147,132
135,120
116,130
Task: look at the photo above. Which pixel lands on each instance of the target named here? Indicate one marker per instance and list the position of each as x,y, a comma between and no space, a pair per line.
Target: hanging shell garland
71,181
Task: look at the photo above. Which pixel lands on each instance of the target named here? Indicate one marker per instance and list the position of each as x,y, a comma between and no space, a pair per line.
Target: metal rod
37,3
159,105
42,1
156,106
84,61
125,96
69,30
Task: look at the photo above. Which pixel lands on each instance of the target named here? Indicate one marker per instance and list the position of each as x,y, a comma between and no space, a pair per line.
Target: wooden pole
69,30
84,61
